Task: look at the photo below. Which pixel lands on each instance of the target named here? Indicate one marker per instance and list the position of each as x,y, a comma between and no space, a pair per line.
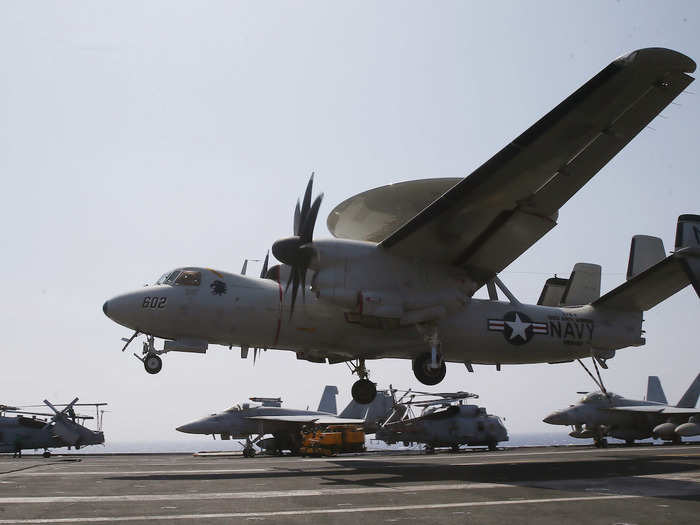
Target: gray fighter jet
59,429
445,421
600,414
285,424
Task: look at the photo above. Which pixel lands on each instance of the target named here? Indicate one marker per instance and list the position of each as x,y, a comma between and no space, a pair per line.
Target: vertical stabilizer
688,236
327,403
690,398
583,286
687,231
354,410
654,391
645,252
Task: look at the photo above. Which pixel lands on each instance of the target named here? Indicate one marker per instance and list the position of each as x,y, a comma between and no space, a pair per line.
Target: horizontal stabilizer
654,391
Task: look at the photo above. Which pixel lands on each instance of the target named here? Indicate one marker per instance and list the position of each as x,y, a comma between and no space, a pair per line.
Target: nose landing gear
363,390
151,359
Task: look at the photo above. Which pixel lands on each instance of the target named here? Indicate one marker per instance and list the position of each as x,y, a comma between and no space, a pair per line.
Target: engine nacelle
665,431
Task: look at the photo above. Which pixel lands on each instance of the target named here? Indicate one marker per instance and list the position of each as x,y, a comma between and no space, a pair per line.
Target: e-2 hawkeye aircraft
600,414
61,428
398,279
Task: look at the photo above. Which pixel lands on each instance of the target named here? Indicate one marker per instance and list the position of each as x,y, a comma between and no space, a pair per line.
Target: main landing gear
429,367
363,390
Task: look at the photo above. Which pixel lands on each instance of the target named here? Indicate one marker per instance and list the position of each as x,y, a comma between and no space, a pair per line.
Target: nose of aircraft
125,309
559,417
202,426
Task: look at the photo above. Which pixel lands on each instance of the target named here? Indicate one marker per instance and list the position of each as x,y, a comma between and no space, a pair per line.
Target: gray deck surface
643,484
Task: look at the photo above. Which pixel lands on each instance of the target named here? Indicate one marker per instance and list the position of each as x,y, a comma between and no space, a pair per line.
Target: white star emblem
518,328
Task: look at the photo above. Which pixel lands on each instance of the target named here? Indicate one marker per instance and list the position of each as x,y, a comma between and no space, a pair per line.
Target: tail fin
327,403
654,391
582,287
690,398
651,280
354,410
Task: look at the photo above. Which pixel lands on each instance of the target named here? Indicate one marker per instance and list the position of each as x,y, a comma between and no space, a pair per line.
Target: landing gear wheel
425,373
46,454
429,449
248,452
601,443
455,448
364,391
493,446
629,442
152,363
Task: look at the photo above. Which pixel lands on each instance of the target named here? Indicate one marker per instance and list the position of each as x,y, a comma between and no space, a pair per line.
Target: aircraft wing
651,409
488,219
315,419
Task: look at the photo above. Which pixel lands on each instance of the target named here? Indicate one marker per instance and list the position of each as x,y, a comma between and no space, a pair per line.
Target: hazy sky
136,137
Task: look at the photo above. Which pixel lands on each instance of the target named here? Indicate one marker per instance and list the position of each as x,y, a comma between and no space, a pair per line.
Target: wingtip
659,57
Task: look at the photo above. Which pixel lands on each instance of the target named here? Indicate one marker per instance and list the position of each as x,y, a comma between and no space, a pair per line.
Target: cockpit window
189,278
168,277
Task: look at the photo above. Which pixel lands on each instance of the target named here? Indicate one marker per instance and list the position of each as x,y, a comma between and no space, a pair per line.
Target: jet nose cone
192,428
555,418
105,308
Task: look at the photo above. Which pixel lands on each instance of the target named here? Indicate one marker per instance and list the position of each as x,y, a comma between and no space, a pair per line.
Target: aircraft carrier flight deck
579,484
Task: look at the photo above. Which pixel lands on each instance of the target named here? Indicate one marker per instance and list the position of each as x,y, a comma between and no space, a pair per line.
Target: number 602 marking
154,302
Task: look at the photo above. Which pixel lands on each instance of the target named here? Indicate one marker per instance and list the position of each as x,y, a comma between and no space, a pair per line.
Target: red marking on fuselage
279,317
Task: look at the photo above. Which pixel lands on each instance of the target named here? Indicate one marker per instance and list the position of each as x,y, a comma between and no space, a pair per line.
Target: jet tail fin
327,403
354,410
690,398
651,279
654,391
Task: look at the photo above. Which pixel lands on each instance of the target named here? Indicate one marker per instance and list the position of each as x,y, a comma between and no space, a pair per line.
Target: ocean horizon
533,439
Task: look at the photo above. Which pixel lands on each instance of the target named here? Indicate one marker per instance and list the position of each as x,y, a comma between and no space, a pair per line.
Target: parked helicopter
445,421
398,279
62,428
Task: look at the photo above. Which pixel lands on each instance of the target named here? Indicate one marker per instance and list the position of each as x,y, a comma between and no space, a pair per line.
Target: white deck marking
130,472
392,508
248,495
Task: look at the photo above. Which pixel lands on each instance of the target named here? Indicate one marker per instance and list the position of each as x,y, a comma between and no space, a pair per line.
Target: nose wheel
152,363
151,360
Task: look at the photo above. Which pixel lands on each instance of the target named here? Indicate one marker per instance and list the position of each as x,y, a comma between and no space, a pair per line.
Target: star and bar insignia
517,327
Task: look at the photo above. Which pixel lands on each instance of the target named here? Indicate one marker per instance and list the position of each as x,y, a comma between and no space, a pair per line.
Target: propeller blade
263,272
307,199
307,228
297,219
245,267
48,404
